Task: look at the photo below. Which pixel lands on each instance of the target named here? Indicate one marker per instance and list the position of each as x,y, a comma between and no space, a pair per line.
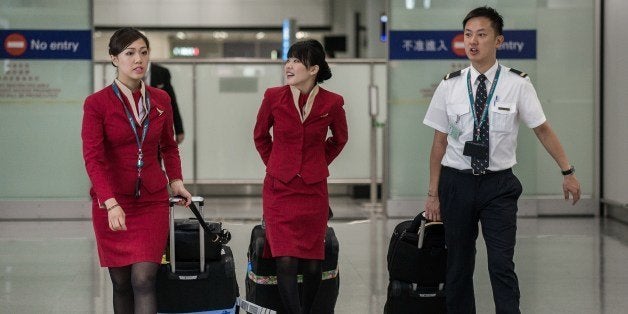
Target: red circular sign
15,44
457,45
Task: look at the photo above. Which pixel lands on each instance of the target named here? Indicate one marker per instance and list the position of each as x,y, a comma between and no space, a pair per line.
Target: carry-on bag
196,286
261,275
417,261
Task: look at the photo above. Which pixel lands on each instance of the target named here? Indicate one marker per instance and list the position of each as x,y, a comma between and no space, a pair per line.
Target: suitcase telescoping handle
201,233
418,226
416,223
195,199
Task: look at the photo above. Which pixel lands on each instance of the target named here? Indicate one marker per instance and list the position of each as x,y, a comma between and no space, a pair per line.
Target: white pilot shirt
514,100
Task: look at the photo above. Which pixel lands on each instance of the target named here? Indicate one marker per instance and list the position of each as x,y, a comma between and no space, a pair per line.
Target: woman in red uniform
296,156
127,127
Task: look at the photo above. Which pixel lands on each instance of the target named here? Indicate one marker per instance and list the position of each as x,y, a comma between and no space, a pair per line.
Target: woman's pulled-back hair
311,53
124,37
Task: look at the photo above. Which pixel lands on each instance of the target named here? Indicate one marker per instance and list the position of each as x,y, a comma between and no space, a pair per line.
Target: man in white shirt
475,113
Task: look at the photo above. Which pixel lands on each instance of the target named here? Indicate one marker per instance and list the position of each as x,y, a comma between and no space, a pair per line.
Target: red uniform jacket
295,147
110,148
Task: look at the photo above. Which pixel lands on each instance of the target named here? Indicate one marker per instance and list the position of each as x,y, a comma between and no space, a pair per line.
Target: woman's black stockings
134,288
287,271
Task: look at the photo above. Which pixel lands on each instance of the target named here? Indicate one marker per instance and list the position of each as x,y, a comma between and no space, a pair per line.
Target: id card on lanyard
138,140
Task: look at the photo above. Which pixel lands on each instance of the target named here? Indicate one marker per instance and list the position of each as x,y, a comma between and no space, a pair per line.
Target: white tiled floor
565,265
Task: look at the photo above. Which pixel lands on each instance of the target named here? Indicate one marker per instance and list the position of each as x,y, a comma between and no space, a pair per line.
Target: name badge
454,129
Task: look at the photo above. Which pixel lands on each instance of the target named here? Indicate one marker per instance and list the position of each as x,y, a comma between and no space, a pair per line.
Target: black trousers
491,199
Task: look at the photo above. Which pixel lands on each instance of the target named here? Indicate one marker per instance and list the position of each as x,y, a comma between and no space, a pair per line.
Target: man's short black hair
497,22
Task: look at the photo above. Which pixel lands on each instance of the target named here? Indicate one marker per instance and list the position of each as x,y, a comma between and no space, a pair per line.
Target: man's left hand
571,185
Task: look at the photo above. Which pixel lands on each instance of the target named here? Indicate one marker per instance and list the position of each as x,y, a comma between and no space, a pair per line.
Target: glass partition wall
219,99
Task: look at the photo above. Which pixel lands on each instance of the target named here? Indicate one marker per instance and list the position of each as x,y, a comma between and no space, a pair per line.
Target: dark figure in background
476,114
158,76
297,156
126,125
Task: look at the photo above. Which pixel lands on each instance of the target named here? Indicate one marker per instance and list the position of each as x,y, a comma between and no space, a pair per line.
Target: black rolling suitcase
417,261
261,275
207,286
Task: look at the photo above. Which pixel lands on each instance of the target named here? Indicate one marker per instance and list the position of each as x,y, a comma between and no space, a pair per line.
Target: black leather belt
470,171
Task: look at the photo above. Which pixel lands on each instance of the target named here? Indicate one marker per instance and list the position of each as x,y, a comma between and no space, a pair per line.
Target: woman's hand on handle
179,190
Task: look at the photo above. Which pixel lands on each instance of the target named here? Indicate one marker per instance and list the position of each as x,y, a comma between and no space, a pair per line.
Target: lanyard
481,121
140,142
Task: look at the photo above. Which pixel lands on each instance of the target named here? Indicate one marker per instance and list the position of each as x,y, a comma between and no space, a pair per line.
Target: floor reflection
565,265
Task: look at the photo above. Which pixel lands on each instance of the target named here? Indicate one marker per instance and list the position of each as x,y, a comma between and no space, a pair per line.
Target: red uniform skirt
295,214
146,234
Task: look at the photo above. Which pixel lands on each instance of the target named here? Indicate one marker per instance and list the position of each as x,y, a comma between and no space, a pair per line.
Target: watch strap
571,170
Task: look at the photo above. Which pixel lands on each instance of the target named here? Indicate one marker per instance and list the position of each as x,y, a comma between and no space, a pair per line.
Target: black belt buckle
478,173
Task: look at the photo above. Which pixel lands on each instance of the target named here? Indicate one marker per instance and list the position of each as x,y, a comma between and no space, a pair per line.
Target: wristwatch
571,170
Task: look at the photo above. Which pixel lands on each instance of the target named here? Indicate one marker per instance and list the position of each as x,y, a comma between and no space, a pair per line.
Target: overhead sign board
410,45
46,44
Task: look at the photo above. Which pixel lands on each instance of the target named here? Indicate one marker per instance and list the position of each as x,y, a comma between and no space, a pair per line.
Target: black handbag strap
199,217
224,237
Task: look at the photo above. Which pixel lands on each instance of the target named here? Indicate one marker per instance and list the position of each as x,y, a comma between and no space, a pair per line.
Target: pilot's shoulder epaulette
452,74
522,74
